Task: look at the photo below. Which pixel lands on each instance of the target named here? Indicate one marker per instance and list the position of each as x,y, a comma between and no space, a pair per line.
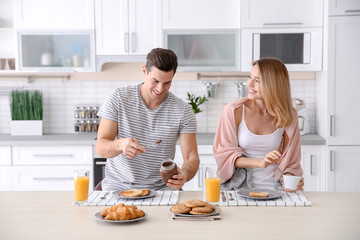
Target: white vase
26,128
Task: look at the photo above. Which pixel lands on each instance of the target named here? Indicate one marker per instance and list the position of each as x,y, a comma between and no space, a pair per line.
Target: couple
133,118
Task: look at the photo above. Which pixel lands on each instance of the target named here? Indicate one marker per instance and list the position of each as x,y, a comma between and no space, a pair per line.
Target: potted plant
26,112
196,101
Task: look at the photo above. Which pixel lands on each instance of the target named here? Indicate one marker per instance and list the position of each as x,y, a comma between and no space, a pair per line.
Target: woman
260,131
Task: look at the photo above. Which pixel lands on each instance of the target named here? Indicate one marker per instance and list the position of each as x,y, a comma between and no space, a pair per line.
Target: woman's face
253,84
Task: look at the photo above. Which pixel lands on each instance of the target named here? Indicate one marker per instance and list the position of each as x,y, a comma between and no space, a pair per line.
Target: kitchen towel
287,199
161,198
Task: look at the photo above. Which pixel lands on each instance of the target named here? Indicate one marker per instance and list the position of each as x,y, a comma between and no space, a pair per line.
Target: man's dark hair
163,59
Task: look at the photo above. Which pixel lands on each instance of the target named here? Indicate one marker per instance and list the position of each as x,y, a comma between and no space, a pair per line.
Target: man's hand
130,147
178,180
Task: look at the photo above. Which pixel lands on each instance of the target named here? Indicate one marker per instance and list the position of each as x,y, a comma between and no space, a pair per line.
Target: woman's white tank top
257,146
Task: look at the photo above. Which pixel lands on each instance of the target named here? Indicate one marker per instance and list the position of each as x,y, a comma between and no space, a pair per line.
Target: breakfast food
122,212
193,207
135,192
180,208
259,194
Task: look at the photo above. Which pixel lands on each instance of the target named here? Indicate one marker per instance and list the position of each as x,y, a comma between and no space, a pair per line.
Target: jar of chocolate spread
168,169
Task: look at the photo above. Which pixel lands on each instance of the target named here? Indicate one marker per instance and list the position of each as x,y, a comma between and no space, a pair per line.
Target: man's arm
191,161
107,146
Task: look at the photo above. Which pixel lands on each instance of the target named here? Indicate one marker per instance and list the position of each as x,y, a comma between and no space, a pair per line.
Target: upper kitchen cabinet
281,13
7,36
54,14
127,29
344,7
56,51
201,14
343,81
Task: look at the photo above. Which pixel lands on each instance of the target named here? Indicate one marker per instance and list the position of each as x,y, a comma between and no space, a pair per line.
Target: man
135,118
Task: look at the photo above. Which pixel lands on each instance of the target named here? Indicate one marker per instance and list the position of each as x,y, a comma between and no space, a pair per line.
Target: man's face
157,84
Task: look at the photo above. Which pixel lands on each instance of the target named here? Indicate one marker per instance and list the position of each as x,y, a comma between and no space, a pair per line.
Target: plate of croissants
121,213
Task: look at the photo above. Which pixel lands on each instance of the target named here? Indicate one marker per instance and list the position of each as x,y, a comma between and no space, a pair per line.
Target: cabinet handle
200,184
311,163
100,163
282,23
332,163
352,11
126,42
53,155
52,178
331,125
133,42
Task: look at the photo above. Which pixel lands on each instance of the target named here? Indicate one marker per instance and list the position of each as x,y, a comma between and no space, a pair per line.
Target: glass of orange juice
81,181
212,186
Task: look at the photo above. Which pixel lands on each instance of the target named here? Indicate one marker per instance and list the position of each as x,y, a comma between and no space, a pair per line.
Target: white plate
101,218
244,192
117,194
216,211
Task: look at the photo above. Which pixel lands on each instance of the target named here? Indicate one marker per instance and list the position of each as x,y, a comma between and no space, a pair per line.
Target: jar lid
89,107
167,164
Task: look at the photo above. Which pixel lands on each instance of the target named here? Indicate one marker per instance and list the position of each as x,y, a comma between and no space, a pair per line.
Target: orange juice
81,188
212,189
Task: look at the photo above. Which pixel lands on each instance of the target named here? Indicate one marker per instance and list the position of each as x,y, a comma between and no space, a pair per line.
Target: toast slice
259,194
135,192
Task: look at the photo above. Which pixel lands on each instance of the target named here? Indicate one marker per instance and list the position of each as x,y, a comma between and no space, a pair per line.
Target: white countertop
89,139
50,215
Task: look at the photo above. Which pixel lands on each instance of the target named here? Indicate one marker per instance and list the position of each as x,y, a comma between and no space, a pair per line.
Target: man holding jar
140,126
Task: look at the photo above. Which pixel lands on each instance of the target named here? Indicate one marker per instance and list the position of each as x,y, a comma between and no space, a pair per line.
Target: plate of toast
259,193
134,193
121,213
195,208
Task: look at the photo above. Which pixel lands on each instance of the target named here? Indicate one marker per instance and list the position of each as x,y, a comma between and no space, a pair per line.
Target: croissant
122,212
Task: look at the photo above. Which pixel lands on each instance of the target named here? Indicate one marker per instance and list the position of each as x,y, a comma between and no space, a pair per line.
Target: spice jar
83,112
96,125
168,169
83,126
89,112
89,126
77,126
96,110
76,112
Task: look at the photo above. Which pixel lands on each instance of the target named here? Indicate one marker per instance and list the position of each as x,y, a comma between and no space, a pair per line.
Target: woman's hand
300,184
130,147
178,180
270,158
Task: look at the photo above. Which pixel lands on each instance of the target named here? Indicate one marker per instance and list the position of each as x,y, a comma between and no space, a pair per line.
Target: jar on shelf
96,110
96,125
77,126
83,126
76,112
89,112
83,112
89,125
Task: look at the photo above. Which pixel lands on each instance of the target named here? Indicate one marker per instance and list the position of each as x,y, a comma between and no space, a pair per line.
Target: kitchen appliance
99,167
299,48
303,118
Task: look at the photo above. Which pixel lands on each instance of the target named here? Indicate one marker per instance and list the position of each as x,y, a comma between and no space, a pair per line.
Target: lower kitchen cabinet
49,168
313,165
5,178
342,169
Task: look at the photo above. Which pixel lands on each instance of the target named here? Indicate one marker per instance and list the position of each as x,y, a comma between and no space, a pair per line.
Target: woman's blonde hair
275,88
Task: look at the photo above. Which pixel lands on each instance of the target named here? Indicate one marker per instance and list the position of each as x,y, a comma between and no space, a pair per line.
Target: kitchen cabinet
49,168
343,81
206,160
344,7
342,168
201,14
281,13
55,14
127,27
5,168
313,165
7,36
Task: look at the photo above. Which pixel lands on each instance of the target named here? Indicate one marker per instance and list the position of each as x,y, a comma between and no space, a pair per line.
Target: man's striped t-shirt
135,120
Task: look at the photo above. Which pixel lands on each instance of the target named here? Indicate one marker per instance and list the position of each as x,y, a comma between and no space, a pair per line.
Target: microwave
300,49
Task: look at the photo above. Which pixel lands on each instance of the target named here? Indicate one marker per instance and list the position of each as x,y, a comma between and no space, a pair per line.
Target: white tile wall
60,97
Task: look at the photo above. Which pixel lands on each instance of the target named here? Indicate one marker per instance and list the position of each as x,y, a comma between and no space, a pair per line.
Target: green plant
26,105
196,101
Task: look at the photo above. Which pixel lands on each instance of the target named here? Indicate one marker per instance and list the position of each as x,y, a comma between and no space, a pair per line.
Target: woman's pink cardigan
226,146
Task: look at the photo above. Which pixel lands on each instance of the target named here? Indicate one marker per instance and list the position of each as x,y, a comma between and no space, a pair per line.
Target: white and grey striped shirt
135,120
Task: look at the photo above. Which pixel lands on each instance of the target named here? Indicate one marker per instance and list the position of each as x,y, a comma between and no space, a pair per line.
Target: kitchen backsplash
60,97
